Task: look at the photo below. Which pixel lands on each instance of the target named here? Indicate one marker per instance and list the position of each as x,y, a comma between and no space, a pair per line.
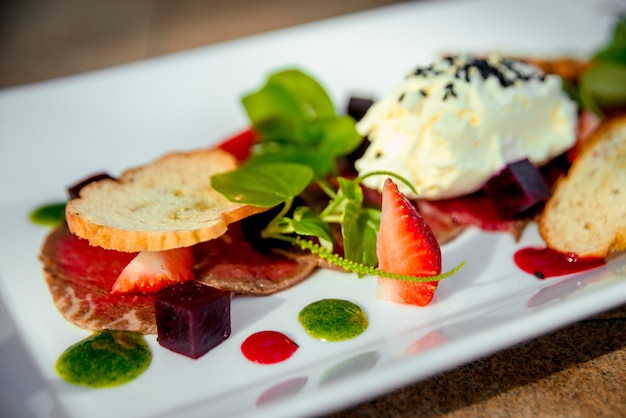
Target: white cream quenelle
451,126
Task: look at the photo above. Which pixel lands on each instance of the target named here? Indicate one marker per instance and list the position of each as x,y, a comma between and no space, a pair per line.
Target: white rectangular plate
56,132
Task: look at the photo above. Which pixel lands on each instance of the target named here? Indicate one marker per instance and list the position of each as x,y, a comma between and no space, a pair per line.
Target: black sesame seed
449,91
509,63
487,70
539,274
421,72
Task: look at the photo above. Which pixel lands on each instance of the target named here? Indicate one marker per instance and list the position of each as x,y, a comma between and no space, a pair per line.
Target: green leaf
615,50
313,101
263,184
296,121
306,223
273,112
617,55
572,91
319,161
360,230
604,85
349,190
340,136
48,215
287,100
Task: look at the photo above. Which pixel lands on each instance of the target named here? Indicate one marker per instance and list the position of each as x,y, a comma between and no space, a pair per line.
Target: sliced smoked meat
80,277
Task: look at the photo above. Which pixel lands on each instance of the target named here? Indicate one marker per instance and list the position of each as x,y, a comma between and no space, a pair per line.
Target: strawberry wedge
153,271
405,245
240,145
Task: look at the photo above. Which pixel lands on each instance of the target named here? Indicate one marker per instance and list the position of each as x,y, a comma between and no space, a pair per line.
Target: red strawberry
152,271
406,245
240,144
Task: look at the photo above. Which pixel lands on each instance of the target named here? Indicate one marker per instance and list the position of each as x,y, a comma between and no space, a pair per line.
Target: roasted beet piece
358,106
74,190
192,318
517,190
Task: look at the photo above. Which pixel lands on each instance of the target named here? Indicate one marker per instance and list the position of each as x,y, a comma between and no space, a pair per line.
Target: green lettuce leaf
296,122
263,184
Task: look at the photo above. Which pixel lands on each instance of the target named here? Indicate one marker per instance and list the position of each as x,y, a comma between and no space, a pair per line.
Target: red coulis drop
268,347
545,262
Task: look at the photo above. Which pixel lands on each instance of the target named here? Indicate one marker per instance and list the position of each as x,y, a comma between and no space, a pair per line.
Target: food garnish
300,139
48,215
153,271
192,318
359,223
545,262
105,359
268,347
297,123
602,85
406,245
333,320
517,189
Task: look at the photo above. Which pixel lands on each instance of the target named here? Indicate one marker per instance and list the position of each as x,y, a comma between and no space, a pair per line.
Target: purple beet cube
517,190
358,107
192,318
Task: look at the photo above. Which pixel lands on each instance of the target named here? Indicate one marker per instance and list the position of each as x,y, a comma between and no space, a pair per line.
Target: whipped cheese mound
452,125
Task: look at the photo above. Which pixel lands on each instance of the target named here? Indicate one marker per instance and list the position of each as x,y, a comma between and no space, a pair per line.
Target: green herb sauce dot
105,359
333,320
48,215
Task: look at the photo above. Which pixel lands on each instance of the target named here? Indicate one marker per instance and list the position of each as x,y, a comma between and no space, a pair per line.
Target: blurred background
43,39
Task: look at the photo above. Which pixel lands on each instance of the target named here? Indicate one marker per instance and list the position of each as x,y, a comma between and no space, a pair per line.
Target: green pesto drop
105,359
333,320
48,215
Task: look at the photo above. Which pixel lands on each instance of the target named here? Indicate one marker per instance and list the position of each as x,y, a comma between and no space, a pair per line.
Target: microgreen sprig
363,270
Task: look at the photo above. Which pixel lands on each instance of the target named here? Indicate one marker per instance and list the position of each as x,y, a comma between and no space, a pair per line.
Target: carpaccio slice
80,277
472,210
230,262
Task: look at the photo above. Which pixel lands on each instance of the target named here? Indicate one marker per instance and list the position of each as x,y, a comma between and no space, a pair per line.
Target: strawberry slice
153,271
240,145
405,245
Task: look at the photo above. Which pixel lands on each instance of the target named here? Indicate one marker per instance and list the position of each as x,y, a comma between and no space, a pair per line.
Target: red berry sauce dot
268,347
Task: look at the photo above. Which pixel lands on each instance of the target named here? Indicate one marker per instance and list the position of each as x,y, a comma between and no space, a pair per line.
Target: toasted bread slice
166,204
586,214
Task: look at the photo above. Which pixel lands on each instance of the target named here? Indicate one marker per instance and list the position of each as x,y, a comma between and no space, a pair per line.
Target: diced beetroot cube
192,318
358,107
517,189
